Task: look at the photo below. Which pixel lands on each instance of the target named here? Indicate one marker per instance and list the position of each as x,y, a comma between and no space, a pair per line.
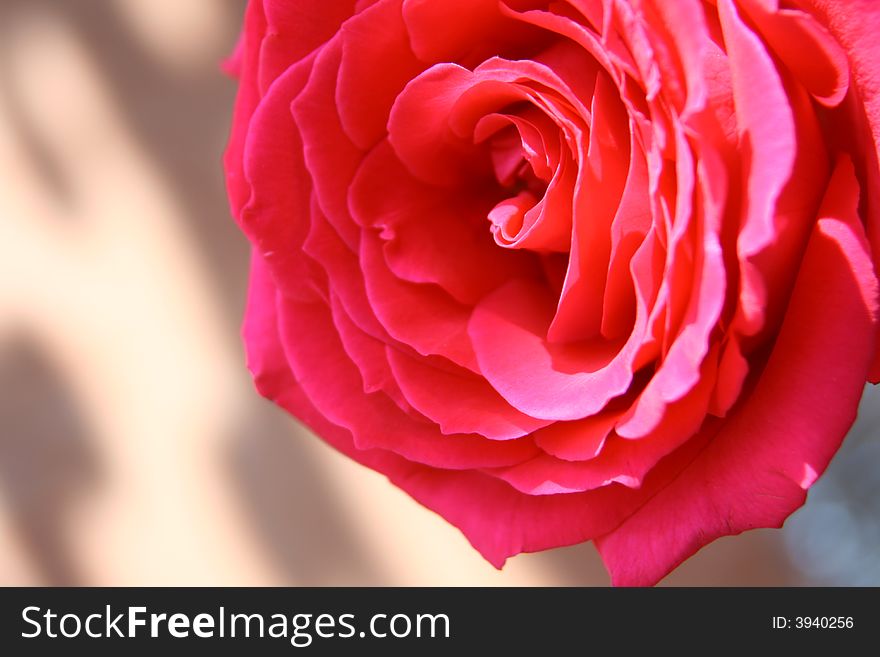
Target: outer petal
376,64
294,29
458,401
325,372
276,215
275,36
504,523
243,64
755,471
854,24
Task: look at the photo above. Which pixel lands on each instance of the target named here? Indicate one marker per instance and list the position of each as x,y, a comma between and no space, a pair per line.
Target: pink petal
620,460
853,24
293,30
276,215
629,227
368,354
439,34
343,273
558,382
704,290
330,156
419,131
458,401
783,170
579,440
504,523
376,64
246,101
423,317
754,471
806,49
432,236
596,198
332,382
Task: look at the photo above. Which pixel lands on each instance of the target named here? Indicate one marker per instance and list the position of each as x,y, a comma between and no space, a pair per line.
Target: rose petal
276,217
629,227
246,101
422,316
853,24
333,384
558,382
504,523
331,158
596,197
680,370
755,471
459,402
343,271
438,35
784,174
293,30
620,460
579,440
418,128
430,235
806,49
376,64
368,354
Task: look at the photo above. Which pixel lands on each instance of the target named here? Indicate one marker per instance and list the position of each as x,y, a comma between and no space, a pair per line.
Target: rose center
520,186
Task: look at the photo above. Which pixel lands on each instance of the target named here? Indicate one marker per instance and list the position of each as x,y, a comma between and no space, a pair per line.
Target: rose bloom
566,271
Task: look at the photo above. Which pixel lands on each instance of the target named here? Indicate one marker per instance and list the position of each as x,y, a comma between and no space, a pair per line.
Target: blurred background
133,449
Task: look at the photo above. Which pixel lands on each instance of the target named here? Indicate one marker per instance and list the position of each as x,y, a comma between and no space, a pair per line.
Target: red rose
566,270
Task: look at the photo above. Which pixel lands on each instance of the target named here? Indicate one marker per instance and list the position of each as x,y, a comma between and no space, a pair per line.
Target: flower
566,271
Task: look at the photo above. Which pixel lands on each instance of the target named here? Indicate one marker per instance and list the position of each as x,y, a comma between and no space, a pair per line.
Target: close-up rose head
566,271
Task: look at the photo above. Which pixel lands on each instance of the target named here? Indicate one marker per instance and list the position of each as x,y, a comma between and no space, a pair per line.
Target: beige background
133,449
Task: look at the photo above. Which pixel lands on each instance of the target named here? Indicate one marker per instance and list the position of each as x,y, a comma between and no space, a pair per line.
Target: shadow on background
176,116
47,460
293,508
179,119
